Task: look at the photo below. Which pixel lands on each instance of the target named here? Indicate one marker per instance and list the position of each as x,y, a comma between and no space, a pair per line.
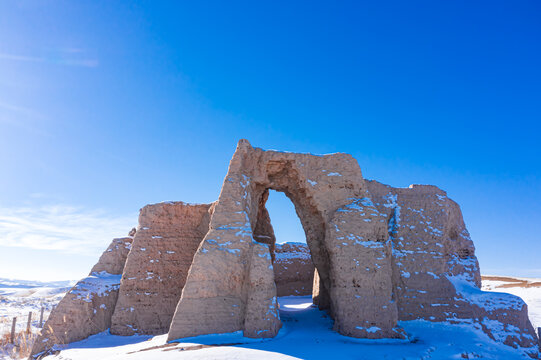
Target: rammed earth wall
382,254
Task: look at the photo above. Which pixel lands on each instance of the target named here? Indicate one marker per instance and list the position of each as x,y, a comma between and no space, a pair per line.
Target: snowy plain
19,297
306,334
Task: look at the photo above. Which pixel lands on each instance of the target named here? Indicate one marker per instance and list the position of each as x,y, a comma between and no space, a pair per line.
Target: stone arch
230,285
282,176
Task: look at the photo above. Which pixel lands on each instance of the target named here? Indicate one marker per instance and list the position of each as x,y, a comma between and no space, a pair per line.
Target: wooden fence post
41,318
28,323
13,330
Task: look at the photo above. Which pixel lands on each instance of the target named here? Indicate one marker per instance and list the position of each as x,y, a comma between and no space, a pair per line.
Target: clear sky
106,106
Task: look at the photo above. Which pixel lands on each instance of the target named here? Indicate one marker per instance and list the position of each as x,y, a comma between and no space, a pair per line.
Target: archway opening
287,225
293,265
294,232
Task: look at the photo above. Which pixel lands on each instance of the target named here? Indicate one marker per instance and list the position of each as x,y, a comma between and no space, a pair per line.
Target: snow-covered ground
306,334
527,288
19,297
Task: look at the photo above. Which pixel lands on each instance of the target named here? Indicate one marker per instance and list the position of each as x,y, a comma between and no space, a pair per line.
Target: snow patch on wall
96,284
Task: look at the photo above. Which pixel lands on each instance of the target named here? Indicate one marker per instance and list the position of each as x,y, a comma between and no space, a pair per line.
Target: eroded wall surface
87,308
166,240
293,269
436,274
382,254
354,262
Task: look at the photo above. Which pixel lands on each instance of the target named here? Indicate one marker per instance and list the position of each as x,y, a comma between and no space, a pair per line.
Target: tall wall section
166,240
435,271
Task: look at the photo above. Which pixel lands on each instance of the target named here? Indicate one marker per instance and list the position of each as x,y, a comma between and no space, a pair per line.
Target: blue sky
108,106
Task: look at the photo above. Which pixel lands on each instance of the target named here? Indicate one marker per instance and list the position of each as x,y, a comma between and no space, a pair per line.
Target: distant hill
27,284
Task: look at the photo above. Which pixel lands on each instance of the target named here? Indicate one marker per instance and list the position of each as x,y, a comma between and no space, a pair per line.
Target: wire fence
17,334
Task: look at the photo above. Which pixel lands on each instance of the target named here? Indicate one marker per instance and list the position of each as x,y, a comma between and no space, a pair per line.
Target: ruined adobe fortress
381,255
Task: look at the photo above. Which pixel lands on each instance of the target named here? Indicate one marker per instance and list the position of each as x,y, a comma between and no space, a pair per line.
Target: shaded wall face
435,271
293,270
320,294
263,231
430,242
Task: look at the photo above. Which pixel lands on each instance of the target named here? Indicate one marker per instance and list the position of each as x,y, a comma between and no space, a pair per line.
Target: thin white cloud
21,110
23,118
21,58
63,57
62,228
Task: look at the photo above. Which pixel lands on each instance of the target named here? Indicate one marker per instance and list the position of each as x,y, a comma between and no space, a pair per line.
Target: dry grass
19,304
21,347
512,282
23,341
